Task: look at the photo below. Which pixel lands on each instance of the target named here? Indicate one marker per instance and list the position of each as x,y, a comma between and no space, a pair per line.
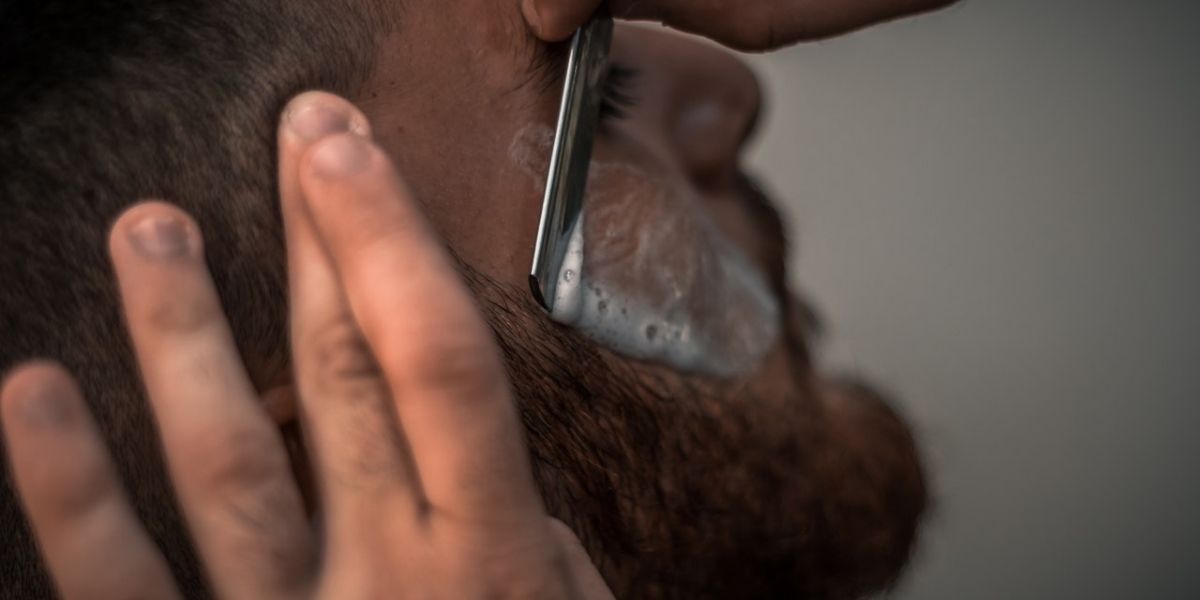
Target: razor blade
566,181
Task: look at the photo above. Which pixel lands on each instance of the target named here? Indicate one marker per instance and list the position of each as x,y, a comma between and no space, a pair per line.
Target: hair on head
107,102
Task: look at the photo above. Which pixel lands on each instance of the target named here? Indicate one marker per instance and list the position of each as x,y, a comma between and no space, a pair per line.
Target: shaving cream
650,276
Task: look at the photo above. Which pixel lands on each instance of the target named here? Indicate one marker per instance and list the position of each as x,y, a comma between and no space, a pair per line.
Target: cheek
530,152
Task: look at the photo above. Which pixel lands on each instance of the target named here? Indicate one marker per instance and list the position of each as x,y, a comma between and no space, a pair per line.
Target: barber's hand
751,25
423,476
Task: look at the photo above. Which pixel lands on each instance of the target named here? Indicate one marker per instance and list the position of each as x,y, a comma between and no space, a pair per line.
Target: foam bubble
649,276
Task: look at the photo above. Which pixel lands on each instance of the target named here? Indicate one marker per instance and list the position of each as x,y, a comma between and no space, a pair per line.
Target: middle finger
361,458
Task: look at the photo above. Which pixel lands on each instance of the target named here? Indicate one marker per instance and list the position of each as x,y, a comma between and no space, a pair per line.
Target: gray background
997,209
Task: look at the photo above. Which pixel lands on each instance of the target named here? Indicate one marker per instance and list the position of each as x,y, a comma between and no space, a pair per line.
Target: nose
711,101
719,108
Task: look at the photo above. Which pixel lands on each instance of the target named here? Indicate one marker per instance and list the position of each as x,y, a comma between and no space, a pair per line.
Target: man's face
724,477
642,458
466,104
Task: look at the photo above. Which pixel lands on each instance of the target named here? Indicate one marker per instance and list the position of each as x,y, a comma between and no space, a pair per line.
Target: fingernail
317,121
341,156
160,237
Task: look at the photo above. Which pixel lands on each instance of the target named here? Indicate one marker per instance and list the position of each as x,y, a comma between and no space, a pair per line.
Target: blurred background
997,211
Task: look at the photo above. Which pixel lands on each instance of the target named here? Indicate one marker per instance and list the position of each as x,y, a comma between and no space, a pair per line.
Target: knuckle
183,313
458,362
238,484
343,362
73,485
227,460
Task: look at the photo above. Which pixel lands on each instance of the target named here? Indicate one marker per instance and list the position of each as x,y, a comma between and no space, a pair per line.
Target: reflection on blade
578,118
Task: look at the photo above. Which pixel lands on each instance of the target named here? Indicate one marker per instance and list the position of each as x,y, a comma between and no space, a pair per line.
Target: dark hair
679,488
104,103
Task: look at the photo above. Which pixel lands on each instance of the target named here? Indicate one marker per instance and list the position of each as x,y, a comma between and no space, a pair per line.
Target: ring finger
226,458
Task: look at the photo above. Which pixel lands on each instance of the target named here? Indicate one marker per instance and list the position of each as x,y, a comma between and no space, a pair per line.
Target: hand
749,25
423,476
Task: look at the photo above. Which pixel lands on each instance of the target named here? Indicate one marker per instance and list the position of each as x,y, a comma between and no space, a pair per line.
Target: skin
438,497
489,219
443,472
758,26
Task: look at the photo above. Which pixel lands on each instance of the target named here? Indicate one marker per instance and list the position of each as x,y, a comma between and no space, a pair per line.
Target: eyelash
619,97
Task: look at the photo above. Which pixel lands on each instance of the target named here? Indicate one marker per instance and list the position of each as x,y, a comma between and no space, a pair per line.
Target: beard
678,486
683,486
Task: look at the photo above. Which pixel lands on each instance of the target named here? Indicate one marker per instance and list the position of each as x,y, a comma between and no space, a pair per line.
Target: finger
71,493
226,458
770,24
358,451
437,353
588,582
556,20
754,25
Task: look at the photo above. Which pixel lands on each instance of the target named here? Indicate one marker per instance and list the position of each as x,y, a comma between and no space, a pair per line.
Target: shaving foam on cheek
650,277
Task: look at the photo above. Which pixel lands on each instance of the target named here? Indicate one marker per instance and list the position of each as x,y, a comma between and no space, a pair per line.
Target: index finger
749,25
441,363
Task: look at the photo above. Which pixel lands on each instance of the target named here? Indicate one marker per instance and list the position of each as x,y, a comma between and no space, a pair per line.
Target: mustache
801,320
768,222
754,192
